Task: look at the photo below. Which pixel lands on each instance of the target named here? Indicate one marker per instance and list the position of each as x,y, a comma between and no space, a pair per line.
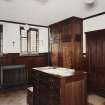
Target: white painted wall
11,32
92,24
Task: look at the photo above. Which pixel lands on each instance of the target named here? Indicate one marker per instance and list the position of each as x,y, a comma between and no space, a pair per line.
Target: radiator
11,75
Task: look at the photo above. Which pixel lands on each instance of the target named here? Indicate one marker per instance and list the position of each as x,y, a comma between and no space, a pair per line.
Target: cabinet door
54,38
54,54
67,54
77,38
66,35
77,55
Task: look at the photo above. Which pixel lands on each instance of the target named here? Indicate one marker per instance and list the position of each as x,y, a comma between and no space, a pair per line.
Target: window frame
29,53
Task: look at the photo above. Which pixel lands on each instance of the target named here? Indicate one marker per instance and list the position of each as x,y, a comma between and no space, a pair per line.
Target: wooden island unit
58,88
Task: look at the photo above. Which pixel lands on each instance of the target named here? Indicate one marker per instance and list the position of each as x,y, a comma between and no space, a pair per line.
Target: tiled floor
13,97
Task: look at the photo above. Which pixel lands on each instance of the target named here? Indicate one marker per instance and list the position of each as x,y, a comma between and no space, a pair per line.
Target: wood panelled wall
96,60
66,43
28,61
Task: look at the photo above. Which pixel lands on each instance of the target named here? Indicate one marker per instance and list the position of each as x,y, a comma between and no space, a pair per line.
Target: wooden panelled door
96,60
67,54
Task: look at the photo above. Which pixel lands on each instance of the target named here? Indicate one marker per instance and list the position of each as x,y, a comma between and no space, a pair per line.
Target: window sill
23,54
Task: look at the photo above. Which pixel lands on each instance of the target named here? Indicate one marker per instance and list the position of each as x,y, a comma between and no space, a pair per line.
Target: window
29,41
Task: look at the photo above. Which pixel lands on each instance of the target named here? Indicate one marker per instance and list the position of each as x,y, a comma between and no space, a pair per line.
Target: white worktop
56,71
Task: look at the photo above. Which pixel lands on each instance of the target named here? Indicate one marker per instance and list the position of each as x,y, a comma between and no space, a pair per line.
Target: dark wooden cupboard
65,39
51,89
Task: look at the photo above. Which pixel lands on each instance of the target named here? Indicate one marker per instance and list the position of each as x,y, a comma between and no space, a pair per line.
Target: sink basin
57,71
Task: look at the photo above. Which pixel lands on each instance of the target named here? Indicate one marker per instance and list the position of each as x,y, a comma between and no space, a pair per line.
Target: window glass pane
23,33
24,44
33,41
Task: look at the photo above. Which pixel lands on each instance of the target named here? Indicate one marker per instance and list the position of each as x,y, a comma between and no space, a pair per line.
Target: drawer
45,79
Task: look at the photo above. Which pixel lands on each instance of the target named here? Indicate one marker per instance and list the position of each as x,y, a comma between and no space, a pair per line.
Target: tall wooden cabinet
65,39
